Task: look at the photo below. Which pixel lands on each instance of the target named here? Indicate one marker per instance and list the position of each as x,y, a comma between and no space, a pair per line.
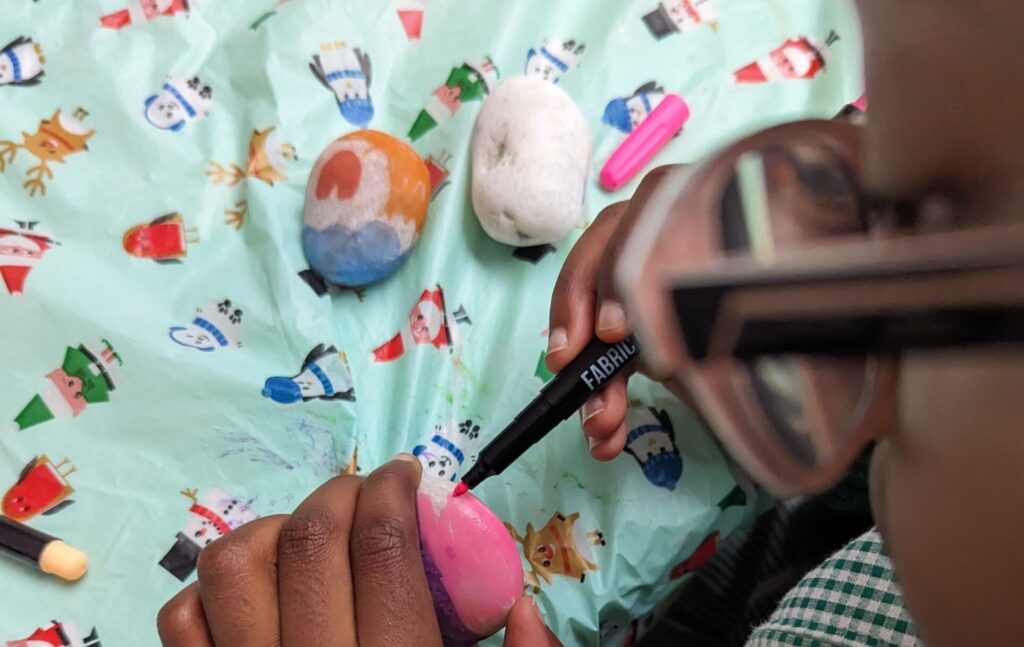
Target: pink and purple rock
472,563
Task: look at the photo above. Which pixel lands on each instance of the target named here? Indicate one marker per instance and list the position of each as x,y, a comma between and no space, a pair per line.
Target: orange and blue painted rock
366,203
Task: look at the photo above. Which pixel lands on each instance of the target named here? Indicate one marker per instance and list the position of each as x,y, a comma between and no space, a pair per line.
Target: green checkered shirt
850,600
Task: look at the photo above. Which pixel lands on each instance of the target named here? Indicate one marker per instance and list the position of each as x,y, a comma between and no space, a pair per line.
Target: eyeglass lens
780,198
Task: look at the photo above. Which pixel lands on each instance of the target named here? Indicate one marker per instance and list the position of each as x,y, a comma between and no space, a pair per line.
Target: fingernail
408,458
611,316
557,340
593,406
592,443
536,609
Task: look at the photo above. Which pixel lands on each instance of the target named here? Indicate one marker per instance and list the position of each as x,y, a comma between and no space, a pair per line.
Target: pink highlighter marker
643,143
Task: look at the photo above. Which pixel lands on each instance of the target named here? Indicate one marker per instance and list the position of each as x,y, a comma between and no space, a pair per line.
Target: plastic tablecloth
171,369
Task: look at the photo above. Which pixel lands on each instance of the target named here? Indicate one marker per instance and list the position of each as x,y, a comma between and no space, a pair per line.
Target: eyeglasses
781,295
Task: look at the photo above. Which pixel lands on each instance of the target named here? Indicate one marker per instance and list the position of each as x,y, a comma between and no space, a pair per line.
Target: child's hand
585,303
343,569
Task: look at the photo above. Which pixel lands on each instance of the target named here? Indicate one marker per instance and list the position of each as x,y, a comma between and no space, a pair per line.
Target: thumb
526,628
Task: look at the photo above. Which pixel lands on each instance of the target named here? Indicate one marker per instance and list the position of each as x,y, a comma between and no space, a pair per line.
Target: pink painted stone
472,563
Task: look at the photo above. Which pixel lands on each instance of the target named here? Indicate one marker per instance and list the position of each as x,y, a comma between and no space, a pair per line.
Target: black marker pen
564,395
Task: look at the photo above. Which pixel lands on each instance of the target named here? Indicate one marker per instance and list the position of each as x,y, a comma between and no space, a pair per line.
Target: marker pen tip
460,489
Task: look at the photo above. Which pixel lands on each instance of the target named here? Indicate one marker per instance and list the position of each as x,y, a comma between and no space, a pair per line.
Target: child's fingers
526,628
181,622
572,303
605,411
609,448
610,317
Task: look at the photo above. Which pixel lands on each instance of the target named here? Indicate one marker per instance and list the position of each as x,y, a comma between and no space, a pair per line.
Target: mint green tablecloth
170,440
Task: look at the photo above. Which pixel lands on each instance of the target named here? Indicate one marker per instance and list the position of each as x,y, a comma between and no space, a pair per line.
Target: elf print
324,376
256,24
141,11
471,81
55,139
216,326
58,634
21,63
553,59
42,488
178,103
87,376
431,321
348,73
21,250
164,240
211,517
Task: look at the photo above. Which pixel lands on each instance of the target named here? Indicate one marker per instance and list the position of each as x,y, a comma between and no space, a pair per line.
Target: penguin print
651,440
324,376
625,114
21,63
347,72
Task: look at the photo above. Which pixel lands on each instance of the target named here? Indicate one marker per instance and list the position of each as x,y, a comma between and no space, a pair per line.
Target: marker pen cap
643,143
63,561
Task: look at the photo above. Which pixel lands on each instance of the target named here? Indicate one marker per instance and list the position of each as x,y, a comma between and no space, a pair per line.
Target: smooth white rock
531,153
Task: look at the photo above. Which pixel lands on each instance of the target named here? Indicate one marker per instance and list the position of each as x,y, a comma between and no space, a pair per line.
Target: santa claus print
42,488
625,114
702,555
437,168
675,16
58,634
21,250
431,322
56,138
177,103
216,326
21,63
347,72
210,517
445,452
410,13
164,239
554,58
88,376
141,11
471,81
267,155
799,58
324,376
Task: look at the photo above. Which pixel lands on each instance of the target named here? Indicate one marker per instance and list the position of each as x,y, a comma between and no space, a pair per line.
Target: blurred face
946,487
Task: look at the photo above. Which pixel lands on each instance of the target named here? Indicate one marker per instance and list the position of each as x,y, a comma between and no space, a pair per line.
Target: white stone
531,153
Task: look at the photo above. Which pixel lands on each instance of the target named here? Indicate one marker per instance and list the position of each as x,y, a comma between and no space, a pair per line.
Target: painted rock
472,564
531,152
366,203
